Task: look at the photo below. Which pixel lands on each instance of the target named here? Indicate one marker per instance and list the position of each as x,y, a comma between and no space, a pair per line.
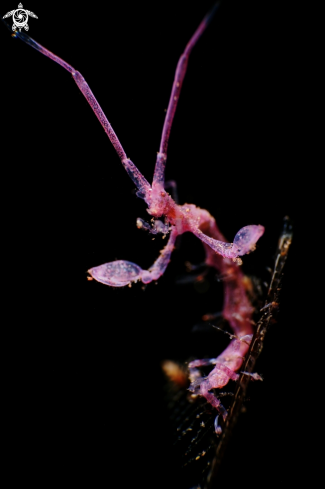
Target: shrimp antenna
159,173
133,172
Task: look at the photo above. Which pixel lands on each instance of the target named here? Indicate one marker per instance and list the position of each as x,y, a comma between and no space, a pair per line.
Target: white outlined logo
20,18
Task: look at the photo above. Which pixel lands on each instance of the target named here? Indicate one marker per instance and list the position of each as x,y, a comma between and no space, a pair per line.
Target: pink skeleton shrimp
179,219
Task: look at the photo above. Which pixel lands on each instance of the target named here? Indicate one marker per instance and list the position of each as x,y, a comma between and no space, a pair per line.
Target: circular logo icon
20,18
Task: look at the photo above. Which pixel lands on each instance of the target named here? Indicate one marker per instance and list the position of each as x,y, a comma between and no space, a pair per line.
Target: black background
82,385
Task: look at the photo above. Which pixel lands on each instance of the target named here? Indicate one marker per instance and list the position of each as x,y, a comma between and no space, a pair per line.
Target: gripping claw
117,273
247,237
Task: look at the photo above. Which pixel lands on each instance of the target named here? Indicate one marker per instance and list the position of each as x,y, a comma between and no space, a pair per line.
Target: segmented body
179,219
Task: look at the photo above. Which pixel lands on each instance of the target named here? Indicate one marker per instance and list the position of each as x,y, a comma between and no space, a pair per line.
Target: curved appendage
120,272
160,265
217,378
225,366
217,428
244,241
247,237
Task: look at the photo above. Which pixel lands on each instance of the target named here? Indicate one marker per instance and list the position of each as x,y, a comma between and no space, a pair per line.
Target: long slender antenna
131,169
159,174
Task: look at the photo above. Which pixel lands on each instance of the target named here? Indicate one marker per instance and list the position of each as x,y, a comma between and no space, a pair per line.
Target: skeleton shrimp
178,219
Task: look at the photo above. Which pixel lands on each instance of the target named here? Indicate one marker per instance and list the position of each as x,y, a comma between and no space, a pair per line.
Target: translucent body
178,219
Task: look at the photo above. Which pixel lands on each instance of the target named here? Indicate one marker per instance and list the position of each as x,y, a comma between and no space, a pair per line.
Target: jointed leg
120,272
160,265
244,241
216,379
